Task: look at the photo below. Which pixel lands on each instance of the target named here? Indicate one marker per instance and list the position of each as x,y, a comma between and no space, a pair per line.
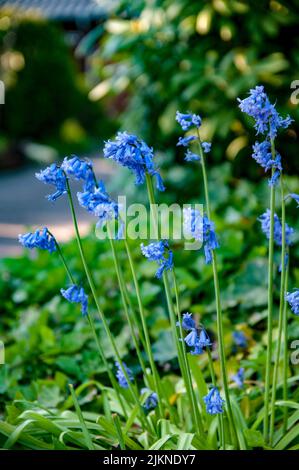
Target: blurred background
77,71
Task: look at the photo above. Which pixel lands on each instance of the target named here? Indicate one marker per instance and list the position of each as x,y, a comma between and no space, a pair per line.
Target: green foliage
176,54
48,343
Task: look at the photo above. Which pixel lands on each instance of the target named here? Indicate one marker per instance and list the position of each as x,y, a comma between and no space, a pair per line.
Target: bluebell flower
187,323
53,175
202,229
263,156
151,400
214,402
41,238
100,204
76,294
295,197
191,157
133,153
185,141
159,252
206,146
238,378
186,120
80,170
121,376
293,300
192,338
240,339
267,119
265,223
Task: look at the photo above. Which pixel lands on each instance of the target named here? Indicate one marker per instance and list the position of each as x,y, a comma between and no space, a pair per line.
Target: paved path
23,206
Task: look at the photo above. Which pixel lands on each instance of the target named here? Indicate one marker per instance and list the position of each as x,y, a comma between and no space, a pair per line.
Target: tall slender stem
270,305
145,329
123,296
102,317
220,416
182,363
218,300
92,327
281,310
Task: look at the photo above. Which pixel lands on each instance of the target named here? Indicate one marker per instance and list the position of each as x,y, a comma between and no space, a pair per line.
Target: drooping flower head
80,170
214,402
240,339
76,294
55,176
185,141
191,157
293,299
194,339
187,120
151,400
201,229
133,153
122,380
187,322
41,238
159,252
238,378
263,156
265,223
100,204
258,106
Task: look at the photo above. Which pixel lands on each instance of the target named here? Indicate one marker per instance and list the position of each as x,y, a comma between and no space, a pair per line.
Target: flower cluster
267,122
265,223
214,402
80,170
194,338
202,229
263,156
55,176
187,120
98,202
122,380
267,119
159,252
151,400
293,300
76,294
238,378
41,238
133,153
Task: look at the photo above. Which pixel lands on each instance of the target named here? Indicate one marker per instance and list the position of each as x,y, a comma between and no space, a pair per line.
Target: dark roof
64,10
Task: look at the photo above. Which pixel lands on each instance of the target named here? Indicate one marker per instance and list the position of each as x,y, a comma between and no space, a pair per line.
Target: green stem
101,315
145,330
92,327
270,305
218,301
123,297
192,397
172,315
86,434
119,432
220,416
281,311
